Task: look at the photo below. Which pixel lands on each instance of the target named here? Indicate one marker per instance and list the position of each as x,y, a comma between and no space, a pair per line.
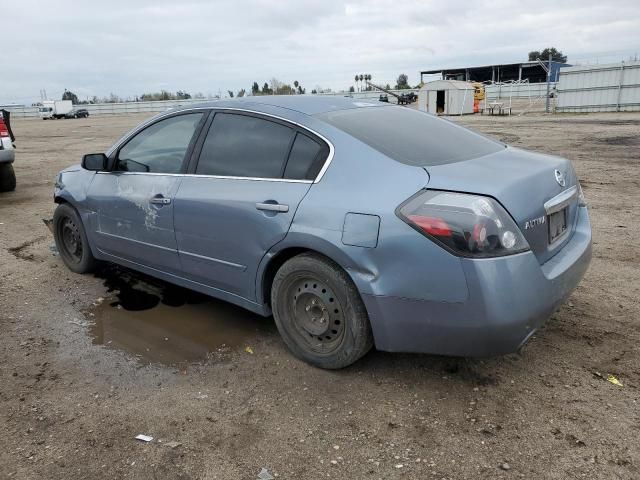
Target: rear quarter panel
362,180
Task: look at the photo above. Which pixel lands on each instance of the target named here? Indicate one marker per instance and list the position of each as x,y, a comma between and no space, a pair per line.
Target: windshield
411,137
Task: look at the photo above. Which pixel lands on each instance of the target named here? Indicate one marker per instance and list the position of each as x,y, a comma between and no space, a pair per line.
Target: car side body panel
129,224
221,232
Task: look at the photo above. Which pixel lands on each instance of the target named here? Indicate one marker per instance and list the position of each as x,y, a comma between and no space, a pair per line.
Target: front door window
160,148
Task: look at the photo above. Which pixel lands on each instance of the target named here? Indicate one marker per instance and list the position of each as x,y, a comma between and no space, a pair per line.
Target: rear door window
245,146
411,137
306,158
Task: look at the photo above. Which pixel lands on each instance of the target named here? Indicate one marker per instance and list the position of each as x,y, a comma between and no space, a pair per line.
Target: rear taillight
4,131
465,224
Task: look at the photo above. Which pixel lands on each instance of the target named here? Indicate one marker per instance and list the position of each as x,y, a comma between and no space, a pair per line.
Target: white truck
55,108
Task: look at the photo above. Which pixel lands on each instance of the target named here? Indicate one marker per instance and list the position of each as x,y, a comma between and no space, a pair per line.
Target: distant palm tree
357,80
295,84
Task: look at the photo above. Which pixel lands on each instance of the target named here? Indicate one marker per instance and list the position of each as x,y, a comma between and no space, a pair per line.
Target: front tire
319,312
7,177
71,240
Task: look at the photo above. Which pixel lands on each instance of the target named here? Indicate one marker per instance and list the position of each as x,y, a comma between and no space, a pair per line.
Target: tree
301,91
180,95
255,89
367,77
266,90
556,55
241,93
275,85
68,95
230,93
351,89
402,82
314,91
295,83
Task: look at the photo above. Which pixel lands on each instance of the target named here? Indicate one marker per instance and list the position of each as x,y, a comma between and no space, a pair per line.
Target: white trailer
55,108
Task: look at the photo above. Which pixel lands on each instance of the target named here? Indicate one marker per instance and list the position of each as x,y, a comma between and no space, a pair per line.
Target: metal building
446,97
613,87
533,72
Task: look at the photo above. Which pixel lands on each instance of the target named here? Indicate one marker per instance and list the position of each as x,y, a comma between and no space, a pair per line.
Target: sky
129,47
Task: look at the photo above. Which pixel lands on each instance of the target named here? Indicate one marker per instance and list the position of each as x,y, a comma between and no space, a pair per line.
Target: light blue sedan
355,224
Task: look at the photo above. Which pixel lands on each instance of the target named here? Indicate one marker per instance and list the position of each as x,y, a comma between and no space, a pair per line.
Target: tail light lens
4,131
466,225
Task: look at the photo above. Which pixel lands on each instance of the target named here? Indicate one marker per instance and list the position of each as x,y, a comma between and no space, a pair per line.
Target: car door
133,202
251,173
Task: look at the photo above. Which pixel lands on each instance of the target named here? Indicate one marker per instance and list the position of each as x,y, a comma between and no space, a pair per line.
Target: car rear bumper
509,299
7,155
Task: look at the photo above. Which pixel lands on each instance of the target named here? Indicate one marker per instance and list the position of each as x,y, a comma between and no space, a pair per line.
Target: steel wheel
71,240
317,314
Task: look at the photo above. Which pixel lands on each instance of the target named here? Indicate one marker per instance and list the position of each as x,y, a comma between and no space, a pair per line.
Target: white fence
373,94
595,88
499,91
112,108
162,105
613,87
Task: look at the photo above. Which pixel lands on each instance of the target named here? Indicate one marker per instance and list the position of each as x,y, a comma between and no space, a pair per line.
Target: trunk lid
523,182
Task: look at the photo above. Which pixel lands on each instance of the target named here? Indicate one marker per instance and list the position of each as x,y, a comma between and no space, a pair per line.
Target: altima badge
534,222
560,178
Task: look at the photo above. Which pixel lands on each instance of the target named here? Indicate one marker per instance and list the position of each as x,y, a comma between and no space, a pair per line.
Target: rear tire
319,312
7,177
71,240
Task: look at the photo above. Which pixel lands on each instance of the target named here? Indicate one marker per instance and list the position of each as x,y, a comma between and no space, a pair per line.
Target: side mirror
95,161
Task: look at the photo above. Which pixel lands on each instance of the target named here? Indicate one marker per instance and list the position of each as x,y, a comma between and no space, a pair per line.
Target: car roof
305,104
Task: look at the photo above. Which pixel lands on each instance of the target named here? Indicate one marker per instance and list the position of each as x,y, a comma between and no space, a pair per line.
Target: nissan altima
354,224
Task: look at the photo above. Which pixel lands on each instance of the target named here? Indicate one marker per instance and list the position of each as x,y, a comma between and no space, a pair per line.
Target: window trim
200,139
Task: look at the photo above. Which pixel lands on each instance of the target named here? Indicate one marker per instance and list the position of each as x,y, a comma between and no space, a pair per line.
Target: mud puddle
162,323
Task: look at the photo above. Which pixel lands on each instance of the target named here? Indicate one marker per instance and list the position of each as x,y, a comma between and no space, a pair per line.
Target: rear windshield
410,136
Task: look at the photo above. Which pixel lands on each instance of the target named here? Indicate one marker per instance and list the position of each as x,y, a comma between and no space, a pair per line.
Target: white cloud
136,46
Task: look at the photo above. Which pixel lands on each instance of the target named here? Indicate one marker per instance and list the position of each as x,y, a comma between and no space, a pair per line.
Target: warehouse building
533,72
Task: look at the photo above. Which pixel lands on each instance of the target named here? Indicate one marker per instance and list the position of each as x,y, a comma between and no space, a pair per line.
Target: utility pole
548,82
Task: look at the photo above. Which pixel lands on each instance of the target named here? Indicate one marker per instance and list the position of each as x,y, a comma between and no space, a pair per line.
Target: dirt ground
89,362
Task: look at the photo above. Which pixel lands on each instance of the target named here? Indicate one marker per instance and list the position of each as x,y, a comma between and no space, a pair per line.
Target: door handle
160,201
272,207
